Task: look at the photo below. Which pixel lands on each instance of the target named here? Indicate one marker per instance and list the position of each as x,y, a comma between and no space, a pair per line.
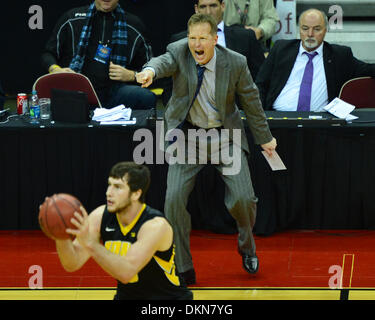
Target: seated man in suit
306,74
235,38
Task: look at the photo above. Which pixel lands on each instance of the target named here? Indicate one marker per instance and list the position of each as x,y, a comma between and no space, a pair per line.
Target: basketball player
128,239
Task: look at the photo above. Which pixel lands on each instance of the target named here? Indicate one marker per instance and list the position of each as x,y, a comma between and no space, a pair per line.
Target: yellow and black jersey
159,278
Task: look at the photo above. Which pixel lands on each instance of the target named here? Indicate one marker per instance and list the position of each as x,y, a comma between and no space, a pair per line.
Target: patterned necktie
304,98
200,70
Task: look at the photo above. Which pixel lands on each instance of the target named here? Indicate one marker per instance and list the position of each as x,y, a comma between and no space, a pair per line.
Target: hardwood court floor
199,294
294,265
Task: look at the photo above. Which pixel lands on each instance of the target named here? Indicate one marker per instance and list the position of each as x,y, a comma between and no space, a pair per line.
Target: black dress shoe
188,277
250,263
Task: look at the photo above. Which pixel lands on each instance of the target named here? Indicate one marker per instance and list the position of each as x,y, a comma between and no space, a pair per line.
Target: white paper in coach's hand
274,161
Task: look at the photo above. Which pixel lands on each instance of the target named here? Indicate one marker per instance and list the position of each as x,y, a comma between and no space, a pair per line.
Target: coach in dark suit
225,79
235,38
281,75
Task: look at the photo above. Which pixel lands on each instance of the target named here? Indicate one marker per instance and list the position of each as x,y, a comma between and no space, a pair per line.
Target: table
40,160
328,184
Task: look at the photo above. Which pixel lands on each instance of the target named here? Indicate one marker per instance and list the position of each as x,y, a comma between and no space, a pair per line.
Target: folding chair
359,92
66,81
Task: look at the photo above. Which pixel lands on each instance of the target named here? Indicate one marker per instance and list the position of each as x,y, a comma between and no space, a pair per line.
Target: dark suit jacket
237,39
339,63
233,82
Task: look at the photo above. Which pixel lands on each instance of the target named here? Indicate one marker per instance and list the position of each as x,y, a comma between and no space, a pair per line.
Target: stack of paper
341,109
116,115
274,161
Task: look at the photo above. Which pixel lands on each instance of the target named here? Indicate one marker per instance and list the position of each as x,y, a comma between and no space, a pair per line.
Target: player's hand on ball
82,228
55,214
80,221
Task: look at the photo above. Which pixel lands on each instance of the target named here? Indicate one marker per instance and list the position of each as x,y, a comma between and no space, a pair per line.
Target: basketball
55,214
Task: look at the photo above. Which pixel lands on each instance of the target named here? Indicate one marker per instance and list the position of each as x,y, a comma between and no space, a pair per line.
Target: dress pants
239,199
132,96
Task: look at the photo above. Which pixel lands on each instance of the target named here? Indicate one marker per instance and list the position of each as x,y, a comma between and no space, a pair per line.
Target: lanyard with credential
103,51
243,15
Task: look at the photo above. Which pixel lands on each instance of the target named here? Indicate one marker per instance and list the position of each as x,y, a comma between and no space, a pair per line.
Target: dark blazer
339,63
237,39
233,83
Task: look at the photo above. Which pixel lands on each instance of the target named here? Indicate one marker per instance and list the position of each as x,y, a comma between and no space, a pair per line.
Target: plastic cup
45,108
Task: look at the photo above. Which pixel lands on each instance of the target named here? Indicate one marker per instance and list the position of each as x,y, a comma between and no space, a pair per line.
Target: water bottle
34,107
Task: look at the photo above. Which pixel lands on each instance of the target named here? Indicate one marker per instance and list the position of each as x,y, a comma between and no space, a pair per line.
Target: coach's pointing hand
145,77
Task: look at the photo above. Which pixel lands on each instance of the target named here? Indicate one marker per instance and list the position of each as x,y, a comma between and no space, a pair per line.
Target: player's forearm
116,266
70,257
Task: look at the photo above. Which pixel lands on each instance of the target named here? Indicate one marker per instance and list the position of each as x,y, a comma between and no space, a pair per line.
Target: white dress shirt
288,97
220,34
203,112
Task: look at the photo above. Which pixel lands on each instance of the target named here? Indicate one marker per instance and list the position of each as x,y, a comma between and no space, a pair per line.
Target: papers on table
341,109
274,161
118,115
119,122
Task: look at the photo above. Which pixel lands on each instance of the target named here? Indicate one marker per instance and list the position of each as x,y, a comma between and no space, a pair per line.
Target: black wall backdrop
22,46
